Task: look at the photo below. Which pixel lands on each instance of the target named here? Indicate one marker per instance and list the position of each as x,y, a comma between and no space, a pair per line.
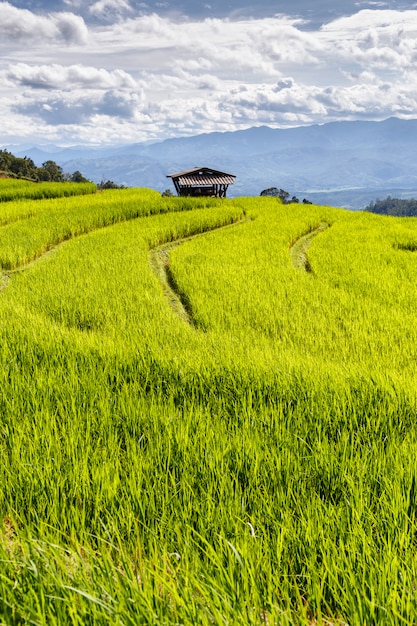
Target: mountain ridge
347,163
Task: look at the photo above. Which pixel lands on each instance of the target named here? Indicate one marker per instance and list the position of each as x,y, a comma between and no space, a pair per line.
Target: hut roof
203,176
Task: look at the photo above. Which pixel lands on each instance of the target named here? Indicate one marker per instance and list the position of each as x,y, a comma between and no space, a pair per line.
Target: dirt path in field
159,262
299,249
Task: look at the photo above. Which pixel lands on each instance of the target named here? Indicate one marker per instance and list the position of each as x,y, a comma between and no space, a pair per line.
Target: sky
112,72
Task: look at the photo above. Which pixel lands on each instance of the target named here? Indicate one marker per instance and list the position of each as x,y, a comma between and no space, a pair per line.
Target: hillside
207,412
24,168
346,164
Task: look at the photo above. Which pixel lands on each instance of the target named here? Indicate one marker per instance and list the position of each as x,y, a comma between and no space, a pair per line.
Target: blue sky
315,11
121,71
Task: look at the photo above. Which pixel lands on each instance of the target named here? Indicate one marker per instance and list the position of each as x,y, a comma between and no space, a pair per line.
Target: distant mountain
344,164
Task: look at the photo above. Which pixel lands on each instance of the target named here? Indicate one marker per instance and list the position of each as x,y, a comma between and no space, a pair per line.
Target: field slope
207,412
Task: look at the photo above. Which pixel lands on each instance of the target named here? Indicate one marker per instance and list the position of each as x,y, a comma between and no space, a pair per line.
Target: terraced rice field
207,412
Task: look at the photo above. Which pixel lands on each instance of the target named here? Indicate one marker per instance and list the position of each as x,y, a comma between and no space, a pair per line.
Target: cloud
257,44
150,77
109,7
17,25
289,101
382,39
79,107
60,77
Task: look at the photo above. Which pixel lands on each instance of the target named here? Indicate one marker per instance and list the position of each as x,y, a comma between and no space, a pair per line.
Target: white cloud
21,25
255,45
103,7
74,4
151,77
383,39
61,77
387,21
79,107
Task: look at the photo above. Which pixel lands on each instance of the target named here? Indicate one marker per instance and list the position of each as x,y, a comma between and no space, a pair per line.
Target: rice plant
17,189
255,467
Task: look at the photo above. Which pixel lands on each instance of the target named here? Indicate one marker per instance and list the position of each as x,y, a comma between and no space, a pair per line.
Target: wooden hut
202,181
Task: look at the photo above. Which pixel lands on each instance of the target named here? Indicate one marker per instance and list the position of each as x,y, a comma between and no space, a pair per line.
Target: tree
6,159
109,184
283,195
53,172
77,177
393,206
167,193
24,167
276,193
271,191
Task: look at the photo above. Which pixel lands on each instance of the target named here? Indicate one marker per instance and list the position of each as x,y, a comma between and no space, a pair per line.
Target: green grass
12,189
256,467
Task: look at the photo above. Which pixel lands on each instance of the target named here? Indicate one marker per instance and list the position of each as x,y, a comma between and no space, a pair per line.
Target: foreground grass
256,468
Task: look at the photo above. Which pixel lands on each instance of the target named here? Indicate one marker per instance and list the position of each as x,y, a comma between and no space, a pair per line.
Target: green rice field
207,412
18,189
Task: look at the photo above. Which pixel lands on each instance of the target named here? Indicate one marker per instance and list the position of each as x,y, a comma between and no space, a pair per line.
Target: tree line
24,167
393,206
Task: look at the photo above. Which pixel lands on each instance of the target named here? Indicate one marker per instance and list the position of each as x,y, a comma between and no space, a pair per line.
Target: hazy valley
345,164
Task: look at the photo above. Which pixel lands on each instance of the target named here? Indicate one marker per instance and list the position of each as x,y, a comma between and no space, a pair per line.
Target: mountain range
344,164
